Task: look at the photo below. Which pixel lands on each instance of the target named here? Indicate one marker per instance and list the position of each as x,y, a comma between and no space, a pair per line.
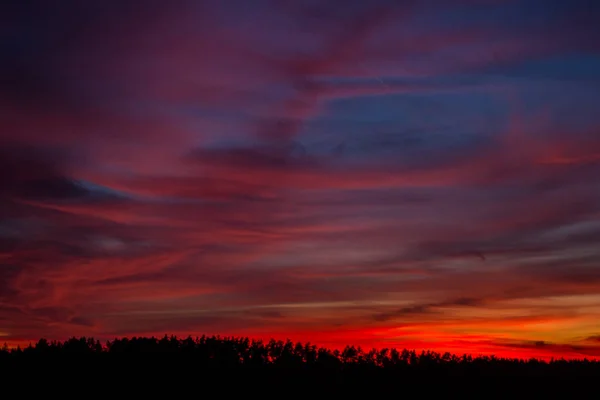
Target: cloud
33,174
595,338
311,168
554,348
426,309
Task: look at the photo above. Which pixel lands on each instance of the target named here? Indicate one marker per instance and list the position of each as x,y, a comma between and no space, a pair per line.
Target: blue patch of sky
21,227
572,67
100,191
413,125
509,16
570,108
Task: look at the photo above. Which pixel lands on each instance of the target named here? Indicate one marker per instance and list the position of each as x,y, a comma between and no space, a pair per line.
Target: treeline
241,351
237,358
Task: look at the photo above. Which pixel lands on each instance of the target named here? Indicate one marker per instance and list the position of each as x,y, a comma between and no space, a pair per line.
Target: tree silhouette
254,365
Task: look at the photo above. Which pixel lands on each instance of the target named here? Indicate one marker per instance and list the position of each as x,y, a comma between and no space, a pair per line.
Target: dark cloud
48,53
428,309
556,348
52,313
36,174
81,321
595,338
142,277
286,157
8,273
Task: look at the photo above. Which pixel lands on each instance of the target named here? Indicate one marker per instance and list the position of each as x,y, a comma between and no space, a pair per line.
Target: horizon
422,173
504,355
539,351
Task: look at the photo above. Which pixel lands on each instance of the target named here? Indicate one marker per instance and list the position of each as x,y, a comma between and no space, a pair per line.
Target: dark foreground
213,366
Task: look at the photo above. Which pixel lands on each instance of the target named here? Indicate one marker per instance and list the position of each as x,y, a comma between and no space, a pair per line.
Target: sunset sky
421,174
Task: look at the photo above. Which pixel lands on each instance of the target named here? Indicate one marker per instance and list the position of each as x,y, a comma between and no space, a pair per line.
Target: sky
415,174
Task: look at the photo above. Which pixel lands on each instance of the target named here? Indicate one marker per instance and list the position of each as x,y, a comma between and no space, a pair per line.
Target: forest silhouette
251,363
